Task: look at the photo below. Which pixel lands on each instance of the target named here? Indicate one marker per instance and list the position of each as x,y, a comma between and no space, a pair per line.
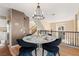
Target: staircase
33,29
38,26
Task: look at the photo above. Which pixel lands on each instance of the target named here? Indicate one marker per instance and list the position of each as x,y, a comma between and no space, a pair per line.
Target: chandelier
38,14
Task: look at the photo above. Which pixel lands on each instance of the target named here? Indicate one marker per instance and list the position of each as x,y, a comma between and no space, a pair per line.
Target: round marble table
39,40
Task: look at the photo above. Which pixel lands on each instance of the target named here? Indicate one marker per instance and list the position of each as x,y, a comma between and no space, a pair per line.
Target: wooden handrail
69,37
58,31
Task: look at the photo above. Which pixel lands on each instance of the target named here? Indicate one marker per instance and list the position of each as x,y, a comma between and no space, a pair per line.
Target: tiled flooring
64,51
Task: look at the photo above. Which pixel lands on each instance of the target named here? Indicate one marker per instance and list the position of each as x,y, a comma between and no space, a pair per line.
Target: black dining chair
26,48
52,47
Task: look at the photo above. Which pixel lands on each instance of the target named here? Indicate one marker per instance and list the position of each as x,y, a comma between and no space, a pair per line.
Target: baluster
75,38
66,37
69,38
78,38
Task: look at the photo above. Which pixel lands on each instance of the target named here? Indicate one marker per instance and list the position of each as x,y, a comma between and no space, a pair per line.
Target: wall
46,24
3,25
19,25
68,26
78,31
3,11
78,25
53,26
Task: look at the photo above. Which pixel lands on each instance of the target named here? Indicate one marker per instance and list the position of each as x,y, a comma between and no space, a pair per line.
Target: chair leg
54,54
42,52
35,52
58,53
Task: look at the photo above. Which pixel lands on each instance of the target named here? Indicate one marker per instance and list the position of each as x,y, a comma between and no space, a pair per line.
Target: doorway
61,32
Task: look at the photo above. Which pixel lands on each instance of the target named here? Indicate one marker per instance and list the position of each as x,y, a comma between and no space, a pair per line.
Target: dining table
39,40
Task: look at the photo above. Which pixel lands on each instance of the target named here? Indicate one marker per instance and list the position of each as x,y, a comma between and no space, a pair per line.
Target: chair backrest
54,43
25,44
28,34
14,50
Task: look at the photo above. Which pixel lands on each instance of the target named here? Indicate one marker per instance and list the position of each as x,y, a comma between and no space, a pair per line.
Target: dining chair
26,48
52,47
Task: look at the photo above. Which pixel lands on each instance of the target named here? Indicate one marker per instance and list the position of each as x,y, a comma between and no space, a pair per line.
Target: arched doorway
61,32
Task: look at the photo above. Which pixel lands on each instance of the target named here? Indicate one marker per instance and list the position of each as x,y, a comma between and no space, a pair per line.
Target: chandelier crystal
38,14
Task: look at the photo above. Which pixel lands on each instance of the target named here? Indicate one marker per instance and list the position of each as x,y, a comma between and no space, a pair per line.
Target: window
3,31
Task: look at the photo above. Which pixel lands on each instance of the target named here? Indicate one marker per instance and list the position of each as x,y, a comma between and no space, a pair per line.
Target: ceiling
51,11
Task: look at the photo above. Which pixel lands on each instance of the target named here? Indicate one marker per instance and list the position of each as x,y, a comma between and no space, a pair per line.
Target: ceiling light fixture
38,14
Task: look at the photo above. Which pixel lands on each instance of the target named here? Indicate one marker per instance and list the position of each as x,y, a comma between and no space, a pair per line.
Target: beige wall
53,26
19,25
46,24
68,25
78,25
